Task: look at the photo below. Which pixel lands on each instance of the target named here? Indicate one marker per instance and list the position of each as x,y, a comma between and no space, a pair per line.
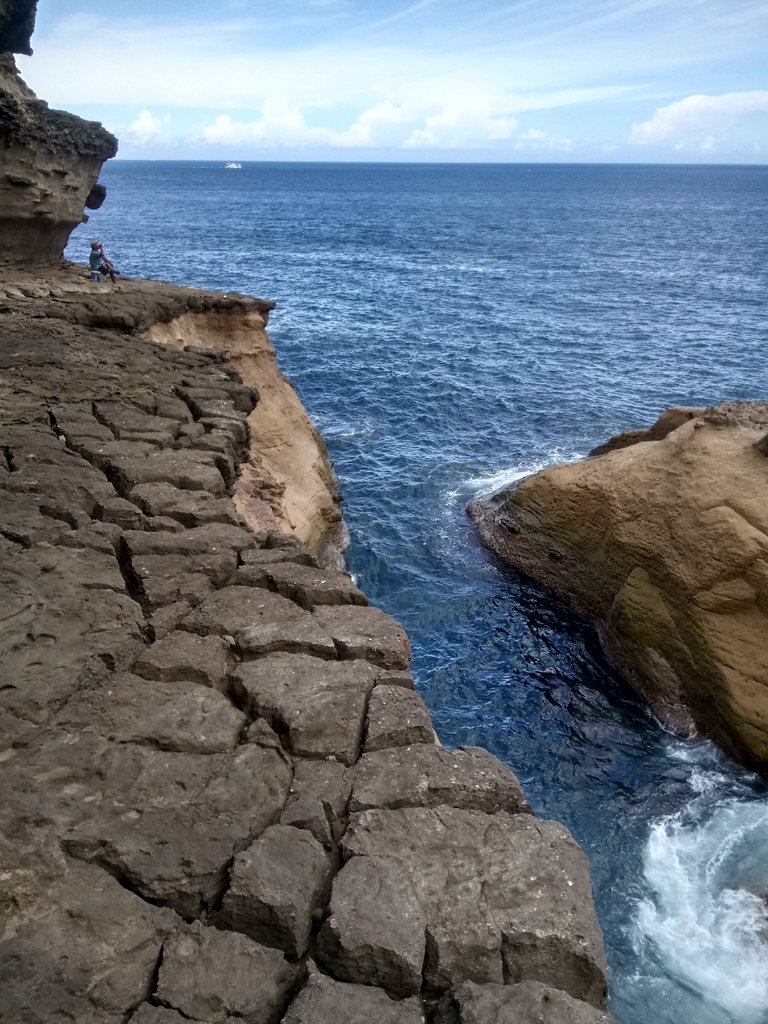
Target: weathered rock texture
17,23
189,823
289,482
662,539
49,159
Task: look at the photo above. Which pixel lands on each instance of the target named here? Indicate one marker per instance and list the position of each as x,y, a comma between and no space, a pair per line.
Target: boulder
180,656
276,886
165,579
233,609
214,976
664,545
366,633
190,508
170,823
175,716
397,717
312,587
448,895
296,636
325,1001
317,706
427,775
210,539
527,1003
375,934
319,799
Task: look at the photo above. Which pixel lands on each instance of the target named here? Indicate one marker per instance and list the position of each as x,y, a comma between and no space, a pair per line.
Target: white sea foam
705,918
512,474
503,478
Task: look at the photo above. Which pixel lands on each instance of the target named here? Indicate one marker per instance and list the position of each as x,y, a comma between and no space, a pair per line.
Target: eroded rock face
288,483
418,903
663,541
527,1003
324,1001
49,159
216,772
17,23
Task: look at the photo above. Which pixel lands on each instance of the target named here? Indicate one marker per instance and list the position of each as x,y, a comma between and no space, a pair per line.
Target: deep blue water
453,327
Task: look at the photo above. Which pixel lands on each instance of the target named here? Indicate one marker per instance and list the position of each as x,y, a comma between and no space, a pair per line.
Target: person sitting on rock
103,265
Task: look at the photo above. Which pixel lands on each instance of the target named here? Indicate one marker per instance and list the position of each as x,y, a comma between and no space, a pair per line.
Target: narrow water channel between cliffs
450,329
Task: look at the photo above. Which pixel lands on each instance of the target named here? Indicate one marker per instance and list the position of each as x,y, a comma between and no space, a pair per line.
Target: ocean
451,328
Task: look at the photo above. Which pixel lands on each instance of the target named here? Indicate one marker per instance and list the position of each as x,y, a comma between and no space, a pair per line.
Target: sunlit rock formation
662,539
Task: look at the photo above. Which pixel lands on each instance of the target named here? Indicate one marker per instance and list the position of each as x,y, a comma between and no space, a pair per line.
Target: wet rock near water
661,539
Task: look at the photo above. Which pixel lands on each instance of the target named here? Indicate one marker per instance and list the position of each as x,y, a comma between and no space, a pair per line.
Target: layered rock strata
221,797
289,482
49,159
662,539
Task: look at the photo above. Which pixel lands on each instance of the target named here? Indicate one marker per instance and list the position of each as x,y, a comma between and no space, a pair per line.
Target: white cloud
146,129
390,125
459,126
422,73
536,141
213,67
697,121
472,125
281,125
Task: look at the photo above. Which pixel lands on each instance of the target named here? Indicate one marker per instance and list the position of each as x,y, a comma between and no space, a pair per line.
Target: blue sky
435,80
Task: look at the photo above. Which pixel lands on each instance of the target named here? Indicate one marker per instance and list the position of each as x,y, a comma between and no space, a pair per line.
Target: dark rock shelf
222,798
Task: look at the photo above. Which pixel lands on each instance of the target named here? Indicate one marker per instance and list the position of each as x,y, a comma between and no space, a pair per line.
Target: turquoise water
450,328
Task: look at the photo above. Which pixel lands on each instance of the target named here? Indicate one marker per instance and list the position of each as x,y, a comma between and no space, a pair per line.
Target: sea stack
49,160
661,538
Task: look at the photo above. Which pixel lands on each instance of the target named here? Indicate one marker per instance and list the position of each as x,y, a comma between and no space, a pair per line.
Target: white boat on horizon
233,167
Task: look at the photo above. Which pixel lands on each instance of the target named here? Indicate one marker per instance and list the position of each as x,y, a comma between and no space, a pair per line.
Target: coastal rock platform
222,799
661,538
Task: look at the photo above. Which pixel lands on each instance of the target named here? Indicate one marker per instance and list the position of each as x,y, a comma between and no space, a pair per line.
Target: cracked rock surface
221,798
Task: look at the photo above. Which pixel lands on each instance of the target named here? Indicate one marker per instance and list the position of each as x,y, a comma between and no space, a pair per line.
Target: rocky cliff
288,481
49,160
662,539
221,798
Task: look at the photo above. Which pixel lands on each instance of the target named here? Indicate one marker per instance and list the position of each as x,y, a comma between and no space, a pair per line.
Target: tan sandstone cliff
289,461
662,539
49,159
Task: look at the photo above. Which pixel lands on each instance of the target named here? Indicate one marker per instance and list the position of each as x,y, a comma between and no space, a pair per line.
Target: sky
625,81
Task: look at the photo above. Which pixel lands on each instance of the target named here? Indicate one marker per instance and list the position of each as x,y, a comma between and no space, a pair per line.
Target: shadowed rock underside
49,159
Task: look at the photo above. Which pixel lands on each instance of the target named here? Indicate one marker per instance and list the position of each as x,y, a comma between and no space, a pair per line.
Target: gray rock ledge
221,798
